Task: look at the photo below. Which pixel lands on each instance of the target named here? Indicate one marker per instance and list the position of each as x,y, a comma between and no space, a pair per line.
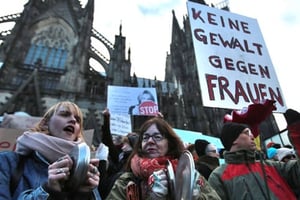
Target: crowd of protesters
244,175
134,166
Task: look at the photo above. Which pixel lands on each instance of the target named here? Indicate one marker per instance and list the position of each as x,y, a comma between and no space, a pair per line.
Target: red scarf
144,167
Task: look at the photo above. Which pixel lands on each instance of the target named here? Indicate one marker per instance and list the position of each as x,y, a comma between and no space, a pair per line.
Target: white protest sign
120,124
233,62
132,100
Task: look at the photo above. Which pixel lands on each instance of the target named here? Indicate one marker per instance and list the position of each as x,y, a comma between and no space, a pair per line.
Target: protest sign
120,124
8,138
233,62
132,100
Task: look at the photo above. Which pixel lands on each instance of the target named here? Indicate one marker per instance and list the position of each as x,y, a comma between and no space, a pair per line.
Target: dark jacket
114,170
32,182
206,164
242,177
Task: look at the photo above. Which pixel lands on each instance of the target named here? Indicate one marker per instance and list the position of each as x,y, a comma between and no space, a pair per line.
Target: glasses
212,151
156,137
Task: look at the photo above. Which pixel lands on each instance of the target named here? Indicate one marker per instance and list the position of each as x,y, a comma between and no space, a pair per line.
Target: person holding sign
42,166
145,176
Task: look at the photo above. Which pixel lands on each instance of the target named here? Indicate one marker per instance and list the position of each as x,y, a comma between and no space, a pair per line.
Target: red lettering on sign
256,92
4,145
148,108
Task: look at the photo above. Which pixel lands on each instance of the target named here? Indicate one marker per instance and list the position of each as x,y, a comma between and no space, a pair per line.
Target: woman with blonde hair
48,166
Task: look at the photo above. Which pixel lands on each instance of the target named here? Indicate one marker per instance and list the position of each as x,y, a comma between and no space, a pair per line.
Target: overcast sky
146,24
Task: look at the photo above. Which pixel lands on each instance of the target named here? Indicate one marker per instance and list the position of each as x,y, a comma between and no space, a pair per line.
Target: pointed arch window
30,54
49,57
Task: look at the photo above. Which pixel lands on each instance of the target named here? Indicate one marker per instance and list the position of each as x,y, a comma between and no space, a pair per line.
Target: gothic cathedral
45,59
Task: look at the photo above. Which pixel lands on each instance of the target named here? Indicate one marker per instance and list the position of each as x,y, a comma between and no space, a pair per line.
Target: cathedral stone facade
45,59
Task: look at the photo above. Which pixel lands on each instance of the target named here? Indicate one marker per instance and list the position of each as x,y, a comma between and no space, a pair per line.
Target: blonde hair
42,126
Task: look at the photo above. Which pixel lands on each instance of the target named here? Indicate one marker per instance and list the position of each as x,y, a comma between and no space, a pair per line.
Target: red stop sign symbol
148,108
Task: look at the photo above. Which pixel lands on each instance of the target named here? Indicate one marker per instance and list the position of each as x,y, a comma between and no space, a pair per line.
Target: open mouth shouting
69,129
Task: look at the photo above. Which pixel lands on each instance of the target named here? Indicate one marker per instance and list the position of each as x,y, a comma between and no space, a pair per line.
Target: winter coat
33,180
242,178
119,189
206,164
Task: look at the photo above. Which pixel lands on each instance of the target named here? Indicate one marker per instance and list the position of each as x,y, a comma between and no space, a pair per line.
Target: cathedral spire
120,29
129,52
175,28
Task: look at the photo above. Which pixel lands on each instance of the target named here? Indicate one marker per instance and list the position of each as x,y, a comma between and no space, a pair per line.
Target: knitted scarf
48,146
144,167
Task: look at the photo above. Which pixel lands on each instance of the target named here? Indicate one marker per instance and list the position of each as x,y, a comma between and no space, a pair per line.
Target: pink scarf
50,147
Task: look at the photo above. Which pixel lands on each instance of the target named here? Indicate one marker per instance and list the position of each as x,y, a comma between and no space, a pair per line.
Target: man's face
245,140
211,150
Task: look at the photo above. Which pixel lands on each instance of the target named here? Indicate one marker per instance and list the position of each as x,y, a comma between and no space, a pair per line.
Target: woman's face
154,144
145,97
65,124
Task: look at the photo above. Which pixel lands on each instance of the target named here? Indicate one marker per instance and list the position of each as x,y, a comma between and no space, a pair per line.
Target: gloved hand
293,125
158,183
102,152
